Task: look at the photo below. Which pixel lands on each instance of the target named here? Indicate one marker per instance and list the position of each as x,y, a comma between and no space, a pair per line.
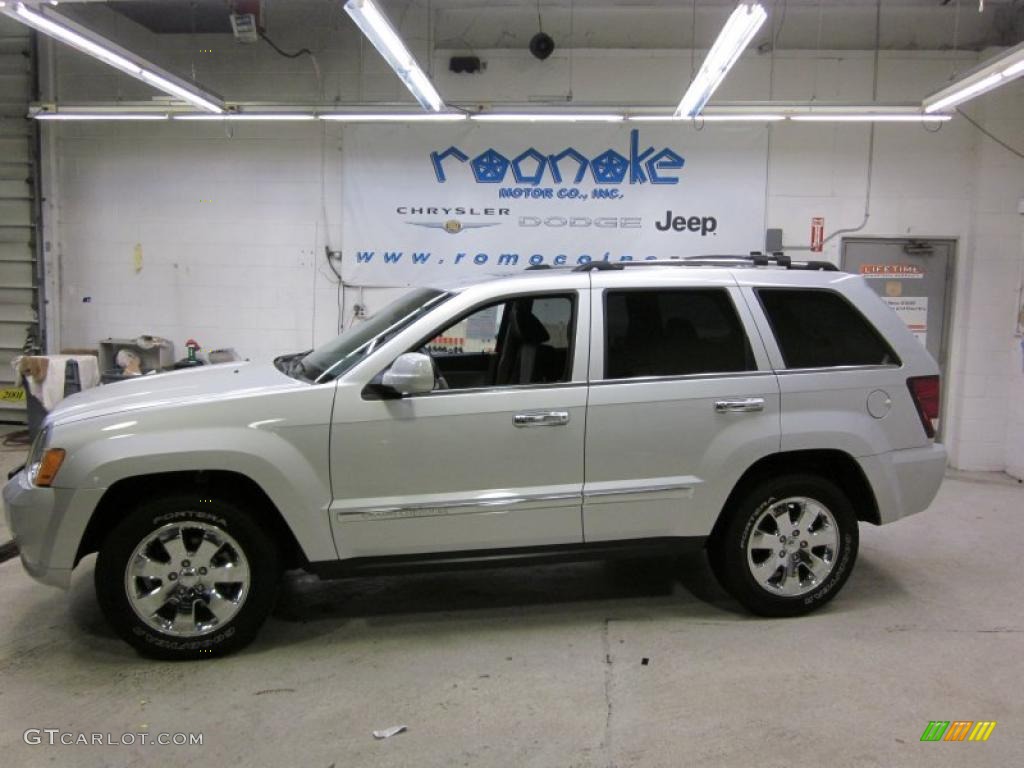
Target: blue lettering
609,167
581,168
666,160
636,172
437,157
642,165
538,173
489,167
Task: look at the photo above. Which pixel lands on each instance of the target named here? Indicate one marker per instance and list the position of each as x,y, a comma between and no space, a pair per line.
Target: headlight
43,461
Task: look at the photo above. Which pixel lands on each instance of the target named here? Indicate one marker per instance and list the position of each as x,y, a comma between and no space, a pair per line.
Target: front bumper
905,482
47,524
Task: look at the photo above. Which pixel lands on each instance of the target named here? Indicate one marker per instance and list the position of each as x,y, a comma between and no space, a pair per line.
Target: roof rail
759,259
600,266
753,259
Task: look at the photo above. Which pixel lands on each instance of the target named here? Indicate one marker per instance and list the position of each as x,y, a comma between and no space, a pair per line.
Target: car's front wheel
185,577
787,547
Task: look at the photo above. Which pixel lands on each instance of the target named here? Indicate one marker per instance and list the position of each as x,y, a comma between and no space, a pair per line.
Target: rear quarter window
817,328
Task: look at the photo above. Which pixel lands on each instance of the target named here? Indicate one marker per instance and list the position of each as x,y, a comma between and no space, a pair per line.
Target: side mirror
410,374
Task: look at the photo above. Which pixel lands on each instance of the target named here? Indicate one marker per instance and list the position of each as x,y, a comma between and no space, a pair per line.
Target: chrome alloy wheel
792,547
187,579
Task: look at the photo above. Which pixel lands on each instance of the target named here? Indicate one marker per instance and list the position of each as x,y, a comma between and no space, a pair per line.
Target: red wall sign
818,234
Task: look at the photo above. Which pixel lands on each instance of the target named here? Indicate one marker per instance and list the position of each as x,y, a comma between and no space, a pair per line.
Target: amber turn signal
49,467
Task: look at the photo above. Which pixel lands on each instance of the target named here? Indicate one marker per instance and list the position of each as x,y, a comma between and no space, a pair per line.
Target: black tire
728,553
257,548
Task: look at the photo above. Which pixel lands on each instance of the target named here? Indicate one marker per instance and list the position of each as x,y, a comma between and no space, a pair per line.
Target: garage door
19,298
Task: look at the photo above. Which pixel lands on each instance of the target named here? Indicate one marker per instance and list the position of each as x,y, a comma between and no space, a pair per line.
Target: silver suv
762,407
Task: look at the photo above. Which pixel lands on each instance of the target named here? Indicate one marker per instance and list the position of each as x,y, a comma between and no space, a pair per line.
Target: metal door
461,469
914,277
664,452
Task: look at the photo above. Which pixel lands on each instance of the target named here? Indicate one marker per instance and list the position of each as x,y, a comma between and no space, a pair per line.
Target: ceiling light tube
870,118
39,22
736,118
546,117
735,36
1002,69
243,116
963,93
98,116
393,117
378,30
163,84
92,44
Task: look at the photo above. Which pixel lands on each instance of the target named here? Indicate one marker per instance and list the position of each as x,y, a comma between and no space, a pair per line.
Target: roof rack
759,259
753,259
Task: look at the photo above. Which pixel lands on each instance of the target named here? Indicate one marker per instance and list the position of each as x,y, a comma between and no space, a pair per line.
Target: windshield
338,355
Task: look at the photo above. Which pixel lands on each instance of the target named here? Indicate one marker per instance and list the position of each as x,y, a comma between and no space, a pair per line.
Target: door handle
541,419
743,405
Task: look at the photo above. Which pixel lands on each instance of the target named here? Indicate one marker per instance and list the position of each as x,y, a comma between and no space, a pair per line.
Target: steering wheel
439,381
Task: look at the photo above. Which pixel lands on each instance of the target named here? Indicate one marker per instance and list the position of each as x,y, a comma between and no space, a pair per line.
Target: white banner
427,203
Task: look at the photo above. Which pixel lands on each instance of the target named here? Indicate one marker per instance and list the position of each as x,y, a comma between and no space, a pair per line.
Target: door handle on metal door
541,419
744,405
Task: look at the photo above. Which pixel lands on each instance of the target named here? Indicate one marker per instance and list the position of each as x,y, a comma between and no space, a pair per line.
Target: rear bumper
47,525
905,482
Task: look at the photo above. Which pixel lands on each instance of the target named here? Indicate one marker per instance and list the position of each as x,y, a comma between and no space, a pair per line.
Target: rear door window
673,332
818,328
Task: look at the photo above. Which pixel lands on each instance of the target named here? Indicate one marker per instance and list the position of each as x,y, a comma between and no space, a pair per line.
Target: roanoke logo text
636,165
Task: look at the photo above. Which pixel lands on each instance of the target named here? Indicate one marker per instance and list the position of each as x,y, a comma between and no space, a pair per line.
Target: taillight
925,392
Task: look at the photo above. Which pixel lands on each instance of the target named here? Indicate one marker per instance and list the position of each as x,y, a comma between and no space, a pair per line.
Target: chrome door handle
744,405
541,419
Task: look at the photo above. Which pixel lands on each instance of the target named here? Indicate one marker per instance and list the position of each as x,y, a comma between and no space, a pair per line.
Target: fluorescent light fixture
163,84
98,116
375,25
394,117
1002,69
66,35
547,117
735,36
737,118
963,93
102,49
870,118
256,116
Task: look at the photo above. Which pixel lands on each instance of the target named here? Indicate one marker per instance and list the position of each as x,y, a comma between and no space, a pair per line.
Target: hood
210,382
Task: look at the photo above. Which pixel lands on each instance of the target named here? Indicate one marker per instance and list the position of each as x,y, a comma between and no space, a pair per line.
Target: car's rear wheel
787,547
186,577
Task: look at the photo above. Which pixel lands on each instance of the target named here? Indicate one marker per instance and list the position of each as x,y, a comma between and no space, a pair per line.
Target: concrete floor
544,666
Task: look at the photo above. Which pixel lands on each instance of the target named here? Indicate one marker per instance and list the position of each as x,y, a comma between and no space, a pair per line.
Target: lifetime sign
638,166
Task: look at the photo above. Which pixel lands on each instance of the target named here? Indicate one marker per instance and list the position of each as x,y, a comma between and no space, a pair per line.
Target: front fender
289,464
